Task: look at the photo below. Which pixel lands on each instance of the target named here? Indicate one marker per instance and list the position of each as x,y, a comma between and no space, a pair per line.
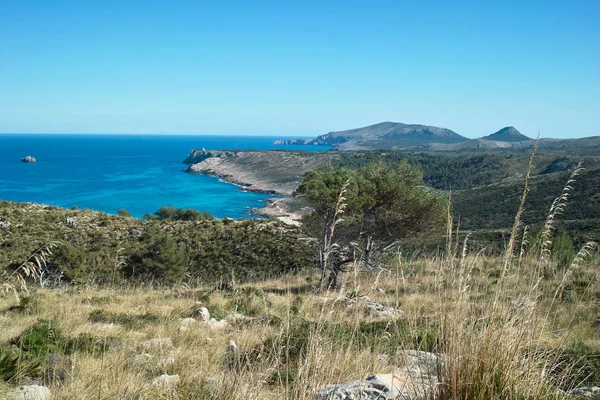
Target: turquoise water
140,173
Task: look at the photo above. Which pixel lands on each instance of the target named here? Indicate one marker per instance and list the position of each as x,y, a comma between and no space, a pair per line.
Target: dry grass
492,349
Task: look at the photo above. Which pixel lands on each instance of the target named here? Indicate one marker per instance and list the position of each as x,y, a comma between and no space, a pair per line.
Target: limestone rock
217,324
165,381
377,309
30,392
4,224
202,314
232,348
28,159
416,378
376,387
185,324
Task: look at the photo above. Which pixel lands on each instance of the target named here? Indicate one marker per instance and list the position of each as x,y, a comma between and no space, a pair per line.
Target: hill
385,135
475,179
508,134
156,251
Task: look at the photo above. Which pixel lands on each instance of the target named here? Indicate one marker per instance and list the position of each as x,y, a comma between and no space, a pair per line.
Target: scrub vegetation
90,299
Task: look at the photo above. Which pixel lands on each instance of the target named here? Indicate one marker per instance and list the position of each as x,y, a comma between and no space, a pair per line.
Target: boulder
30,392
596,324
380,310
376,387
217,324
414,378
202,314
165,381
28,159
232,348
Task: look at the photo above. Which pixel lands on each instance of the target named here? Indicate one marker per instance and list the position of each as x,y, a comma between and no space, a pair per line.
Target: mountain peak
507,134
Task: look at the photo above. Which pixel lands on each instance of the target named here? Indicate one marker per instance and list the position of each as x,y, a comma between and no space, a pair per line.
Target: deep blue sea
139,173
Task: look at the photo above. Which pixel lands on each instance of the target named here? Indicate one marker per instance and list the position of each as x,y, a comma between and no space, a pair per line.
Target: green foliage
170,213
41,338
494,206
381,202
123,213
159,252
13,368
563,250
29,353
159,259
70,260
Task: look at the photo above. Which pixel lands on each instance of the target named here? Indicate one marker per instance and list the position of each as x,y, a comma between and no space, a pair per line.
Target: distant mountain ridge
383,135
413,137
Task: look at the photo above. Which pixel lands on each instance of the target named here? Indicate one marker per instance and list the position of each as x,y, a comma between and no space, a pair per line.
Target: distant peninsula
382,135
413,137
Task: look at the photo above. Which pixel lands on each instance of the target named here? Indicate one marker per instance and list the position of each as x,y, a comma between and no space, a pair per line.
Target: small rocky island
28,159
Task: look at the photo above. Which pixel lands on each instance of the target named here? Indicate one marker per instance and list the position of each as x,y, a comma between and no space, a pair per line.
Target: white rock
217,324
203,314
420,363
185,324
158,344
208,340
416,379
377,387
165,381
381,310
30,392
232,347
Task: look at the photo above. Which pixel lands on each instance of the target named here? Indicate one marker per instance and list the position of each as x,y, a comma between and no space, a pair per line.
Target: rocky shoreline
267,172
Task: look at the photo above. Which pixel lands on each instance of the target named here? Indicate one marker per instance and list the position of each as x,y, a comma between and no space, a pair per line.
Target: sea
139,173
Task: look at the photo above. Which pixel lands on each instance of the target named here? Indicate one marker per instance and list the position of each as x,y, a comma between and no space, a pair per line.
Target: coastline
271,173
280,208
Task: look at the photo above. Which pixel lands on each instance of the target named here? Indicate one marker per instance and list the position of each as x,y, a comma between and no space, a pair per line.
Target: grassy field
519,330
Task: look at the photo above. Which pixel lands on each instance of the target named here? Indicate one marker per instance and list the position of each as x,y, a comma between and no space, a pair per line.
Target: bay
139,173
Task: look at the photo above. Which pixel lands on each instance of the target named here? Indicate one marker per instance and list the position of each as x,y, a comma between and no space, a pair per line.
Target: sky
299,68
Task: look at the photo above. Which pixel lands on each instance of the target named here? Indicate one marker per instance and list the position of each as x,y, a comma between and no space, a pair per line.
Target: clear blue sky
302,68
